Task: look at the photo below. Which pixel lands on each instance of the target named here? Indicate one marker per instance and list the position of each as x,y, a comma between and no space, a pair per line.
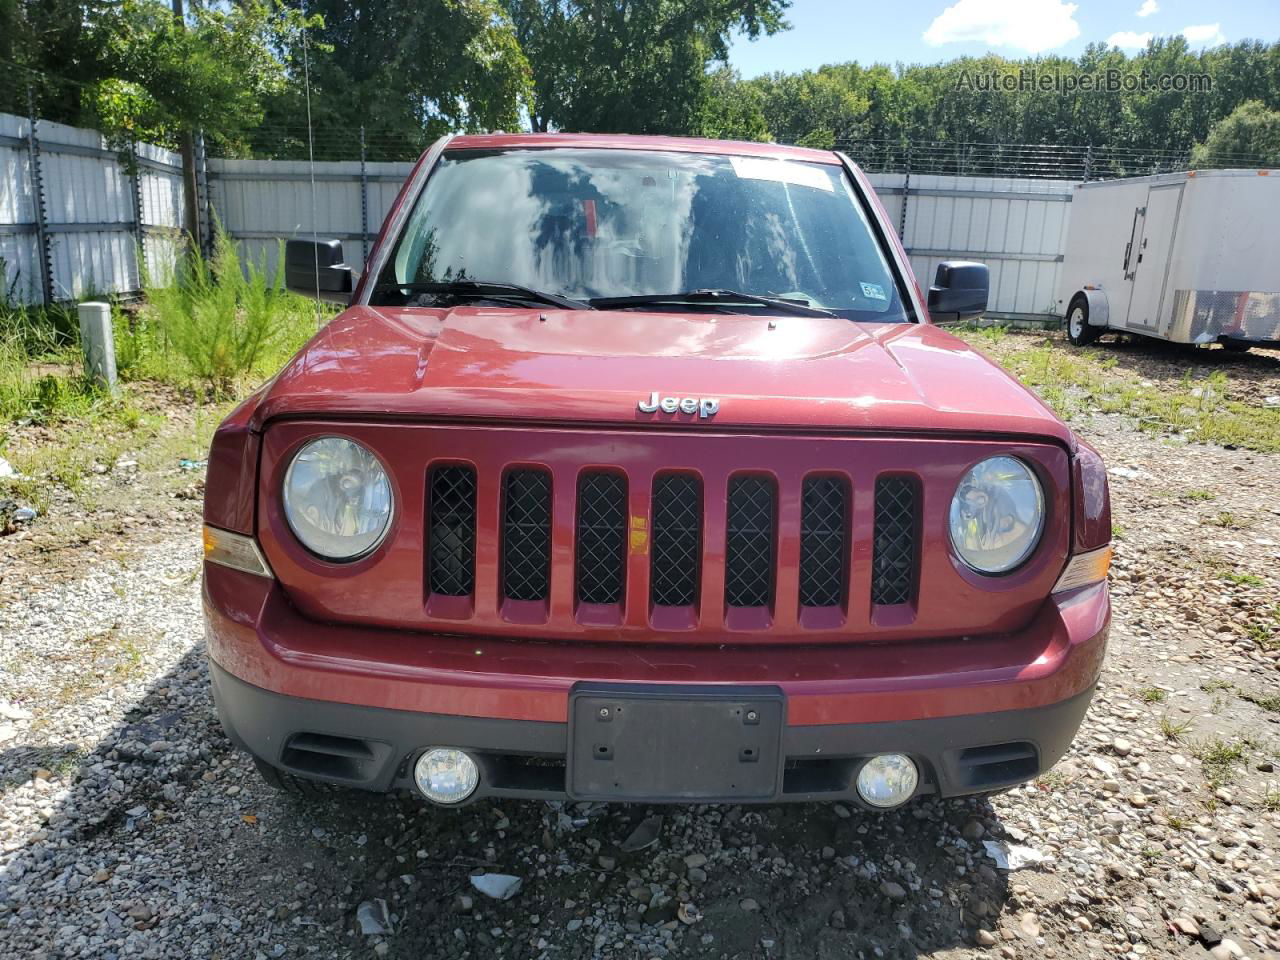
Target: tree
405,70
212,71
631,66
731,110
1248,136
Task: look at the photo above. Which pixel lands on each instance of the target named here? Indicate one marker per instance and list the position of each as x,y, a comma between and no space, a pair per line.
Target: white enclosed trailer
1190,257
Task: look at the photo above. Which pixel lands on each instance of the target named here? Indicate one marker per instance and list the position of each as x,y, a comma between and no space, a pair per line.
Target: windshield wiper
713,297
495,289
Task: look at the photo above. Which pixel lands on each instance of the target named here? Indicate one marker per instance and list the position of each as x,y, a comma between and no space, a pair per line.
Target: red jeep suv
638,469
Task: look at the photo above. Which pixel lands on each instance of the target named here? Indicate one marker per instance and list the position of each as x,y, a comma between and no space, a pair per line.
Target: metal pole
139,235
98,344
1088,162
906,193
204,207
364,204
43,252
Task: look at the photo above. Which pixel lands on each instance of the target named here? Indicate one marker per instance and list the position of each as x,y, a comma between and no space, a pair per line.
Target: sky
930,31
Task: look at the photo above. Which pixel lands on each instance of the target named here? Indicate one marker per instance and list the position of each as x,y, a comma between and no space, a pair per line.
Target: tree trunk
187,148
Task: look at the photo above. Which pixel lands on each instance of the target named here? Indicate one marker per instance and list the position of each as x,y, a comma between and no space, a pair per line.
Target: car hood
580,367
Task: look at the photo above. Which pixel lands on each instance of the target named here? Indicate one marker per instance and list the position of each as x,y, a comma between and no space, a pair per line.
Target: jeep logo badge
704,407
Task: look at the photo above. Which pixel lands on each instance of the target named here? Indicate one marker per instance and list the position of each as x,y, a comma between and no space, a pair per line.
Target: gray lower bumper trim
973,753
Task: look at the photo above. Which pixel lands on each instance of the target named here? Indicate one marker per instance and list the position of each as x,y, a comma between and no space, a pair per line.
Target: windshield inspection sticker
782,171
873,291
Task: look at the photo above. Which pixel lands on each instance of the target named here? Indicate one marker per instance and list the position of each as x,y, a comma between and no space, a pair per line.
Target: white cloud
1204,35
1128,40
1029,25
1148,8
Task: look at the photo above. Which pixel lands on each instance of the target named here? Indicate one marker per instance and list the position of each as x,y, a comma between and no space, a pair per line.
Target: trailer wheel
1078,330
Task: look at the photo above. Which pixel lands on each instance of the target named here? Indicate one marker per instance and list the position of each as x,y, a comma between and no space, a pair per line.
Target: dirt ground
129,827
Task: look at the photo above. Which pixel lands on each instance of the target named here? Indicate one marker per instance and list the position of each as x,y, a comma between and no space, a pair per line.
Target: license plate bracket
651,743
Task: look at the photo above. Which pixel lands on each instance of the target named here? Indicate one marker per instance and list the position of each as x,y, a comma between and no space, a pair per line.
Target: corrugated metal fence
73,216
1018,226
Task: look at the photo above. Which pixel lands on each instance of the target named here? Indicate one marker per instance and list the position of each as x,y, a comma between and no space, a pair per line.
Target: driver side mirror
315,268
959,292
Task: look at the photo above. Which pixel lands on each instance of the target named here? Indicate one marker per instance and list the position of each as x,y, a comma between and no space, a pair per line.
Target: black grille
677,539
823,539
602,525
451,536
526,535
748,562
893,562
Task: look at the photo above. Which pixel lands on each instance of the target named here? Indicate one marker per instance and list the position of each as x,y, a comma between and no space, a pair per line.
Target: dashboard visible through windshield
608,224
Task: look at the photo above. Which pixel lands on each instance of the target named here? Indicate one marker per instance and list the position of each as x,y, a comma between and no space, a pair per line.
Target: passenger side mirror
316,268
959,292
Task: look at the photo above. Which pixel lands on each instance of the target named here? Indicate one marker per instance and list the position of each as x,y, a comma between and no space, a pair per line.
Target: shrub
224,317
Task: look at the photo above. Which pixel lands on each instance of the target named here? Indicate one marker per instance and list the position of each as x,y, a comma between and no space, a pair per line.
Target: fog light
446,775
887,780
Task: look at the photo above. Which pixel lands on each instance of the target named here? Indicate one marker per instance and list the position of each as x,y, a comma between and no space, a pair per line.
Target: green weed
1220,758
1173,729
222,317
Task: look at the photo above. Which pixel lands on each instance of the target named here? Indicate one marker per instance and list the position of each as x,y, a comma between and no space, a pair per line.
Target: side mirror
316,267
959,292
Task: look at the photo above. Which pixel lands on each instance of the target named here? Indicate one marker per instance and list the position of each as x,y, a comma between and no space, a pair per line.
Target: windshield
596,224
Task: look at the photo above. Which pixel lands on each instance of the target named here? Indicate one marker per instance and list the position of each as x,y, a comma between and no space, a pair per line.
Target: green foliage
409,71
1073,381
632,66
941,102
223,318
210,71
1249,134
40,377
405,71
731,110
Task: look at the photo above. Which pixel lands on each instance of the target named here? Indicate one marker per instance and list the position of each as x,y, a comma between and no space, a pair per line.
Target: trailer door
1153,233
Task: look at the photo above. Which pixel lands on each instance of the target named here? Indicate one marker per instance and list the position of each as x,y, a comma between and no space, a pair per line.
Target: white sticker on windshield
782,171
873,291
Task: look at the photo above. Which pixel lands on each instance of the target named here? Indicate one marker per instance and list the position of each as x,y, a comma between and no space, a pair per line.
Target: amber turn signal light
234,550
1084,569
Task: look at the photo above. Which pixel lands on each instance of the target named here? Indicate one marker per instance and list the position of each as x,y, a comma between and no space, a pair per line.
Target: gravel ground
130,828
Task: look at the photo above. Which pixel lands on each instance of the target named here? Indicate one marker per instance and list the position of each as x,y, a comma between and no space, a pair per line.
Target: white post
98,344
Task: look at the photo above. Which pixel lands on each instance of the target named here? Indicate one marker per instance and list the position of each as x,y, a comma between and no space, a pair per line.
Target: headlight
997,515
337,498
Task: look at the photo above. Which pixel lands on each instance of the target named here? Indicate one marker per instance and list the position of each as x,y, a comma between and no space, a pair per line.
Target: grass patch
1214,685
1173,729
1265,632
1151,695
1226,519
1220,758
1073,382
1199,495
1268,702
217,321
1244,579
100,435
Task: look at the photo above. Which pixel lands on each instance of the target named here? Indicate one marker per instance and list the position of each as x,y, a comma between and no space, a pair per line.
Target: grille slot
748,567
676,549
602,519
893,561
451,536
526,535
823,541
